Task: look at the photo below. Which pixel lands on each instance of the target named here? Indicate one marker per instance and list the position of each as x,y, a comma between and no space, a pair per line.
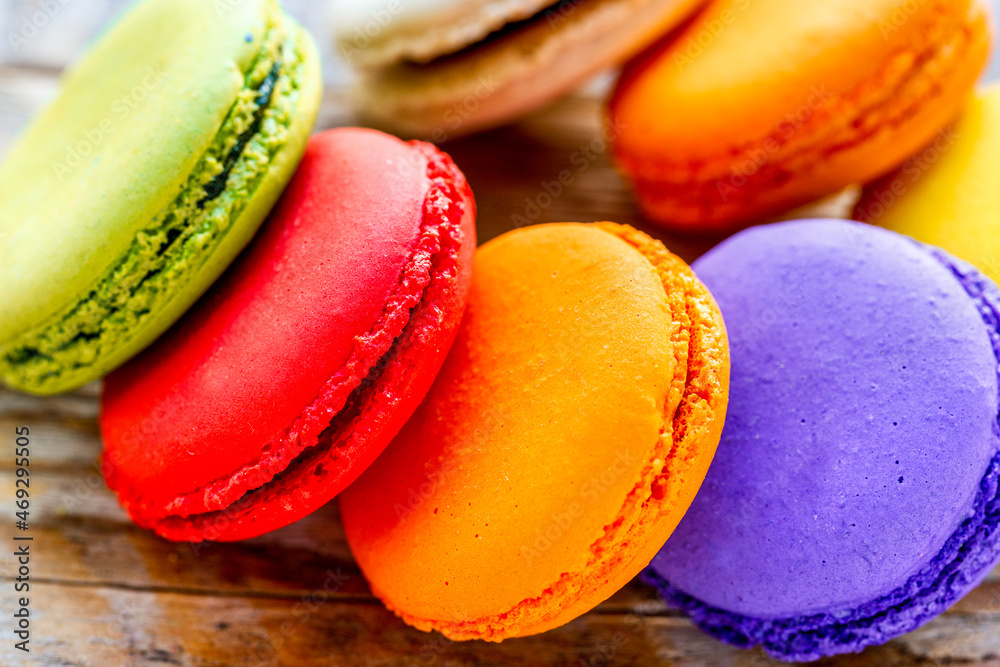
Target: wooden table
104,593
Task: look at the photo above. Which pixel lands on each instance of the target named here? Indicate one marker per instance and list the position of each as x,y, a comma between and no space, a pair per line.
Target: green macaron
167,146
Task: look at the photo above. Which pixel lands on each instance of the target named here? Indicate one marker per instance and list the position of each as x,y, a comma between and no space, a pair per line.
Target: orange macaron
572,424
755,108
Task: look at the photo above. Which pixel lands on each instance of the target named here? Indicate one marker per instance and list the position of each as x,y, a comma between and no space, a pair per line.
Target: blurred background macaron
755,108
166,147
855,495
569,430
438,69
948,194
294,372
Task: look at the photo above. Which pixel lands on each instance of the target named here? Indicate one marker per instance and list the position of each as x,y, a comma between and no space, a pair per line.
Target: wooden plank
90,540
109,593
116,626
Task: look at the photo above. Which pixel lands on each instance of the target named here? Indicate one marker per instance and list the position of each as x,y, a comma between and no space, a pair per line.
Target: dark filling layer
217,185
554,14
321,459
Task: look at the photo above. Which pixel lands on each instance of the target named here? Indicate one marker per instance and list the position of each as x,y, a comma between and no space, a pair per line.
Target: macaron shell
946,194
833,95
373,415
136,167
378,33
538,445
241,231
504,77
149,260
209,401
863,414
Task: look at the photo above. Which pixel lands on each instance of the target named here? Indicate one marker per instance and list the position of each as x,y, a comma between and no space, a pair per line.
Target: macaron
855,494
442,68
571,425
299,366
165,149
947,194
755,108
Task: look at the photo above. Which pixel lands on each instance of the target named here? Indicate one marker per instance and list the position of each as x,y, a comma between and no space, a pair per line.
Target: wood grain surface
104,593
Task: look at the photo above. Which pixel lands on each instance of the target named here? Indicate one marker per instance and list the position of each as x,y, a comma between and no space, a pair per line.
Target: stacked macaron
755,108
549,404
442,68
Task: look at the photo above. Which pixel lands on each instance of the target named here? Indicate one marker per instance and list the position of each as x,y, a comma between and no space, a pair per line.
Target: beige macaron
438,69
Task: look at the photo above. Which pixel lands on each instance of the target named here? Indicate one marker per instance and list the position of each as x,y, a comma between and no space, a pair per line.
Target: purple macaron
854,496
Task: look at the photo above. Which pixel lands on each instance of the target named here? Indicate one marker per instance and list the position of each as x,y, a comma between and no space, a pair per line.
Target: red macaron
296,370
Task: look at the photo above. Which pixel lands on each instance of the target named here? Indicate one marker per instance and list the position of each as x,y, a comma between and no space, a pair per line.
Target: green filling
165,255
